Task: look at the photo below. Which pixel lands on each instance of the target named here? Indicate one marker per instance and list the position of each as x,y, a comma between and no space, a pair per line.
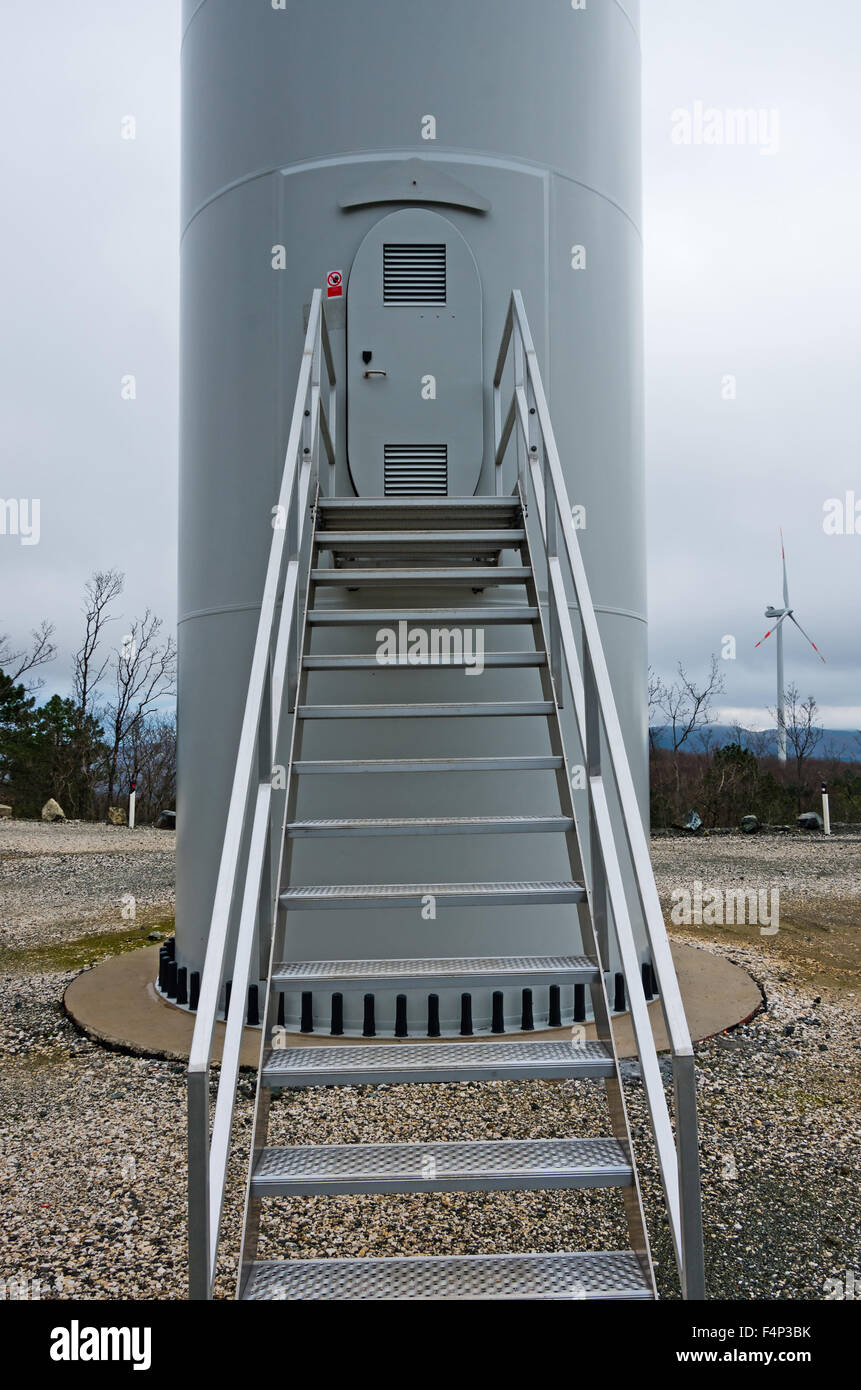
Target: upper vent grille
414,274
416,470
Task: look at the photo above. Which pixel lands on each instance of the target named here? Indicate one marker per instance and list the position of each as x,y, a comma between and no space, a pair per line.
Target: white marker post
132,803
826,814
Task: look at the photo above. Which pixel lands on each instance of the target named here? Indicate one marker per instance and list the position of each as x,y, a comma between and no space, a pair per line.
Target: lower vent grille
416,470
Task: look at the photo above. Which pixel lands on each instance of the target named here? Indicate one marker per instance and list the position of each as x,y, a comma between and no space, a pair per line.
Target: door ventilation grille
416,470
414,274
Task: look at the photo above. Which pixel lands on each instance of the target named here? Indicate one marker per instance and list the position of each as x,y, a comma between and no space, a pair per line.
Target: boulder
166,821
52,810
117,816
750,825
5,812
810,820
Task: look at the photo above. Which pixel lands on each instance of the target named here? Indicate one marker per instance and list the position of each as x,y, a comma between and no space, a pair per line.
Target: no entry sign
335,284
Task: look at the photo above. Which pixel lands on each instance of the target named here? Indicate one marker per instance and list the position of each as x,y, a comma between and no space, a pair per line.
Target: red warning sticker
335,284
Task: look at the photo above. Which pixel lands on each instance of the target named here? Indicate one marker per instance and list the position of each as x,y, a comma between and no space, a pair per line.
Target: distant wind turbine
780,614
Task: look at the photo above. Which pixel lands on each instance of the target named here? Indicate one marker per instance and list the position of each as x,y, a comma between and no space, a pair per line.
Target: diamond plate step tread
455,894
467,709
351,617
371,661
491,1165
381,505
495,574
446,972
536,763
475,537
382,1063
607,1274
431,825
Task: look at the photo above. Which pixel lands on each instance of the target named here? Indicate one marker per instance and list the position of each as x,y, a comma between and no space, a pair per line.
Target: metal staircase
428,546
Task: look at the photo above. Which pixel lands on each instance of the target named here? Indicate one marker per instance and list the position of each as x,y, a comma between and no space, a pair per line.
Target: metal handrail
538,463
253,831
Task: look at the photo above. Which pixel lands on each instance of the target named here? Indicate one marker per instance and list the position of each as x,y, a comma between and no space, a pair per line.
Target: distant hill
835,743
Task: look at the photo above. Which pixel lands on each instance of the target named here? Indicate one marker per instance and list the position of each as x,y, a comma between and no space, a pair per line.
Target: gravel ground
92,1160
73,878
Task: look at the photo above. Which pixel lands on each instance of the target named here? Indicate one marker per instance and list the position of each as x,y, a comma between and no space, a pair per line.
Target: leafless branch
41,650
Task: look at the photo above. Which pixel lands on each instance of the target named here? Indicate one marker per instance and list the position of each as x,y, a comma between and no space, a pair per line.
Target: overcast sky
753,272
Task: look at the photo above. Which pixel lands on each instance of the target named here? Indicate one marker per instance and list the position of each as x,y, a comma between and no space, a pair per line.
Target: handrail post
497,435
316,400
198,1185
265,760
332,419
693,1275
519,387
552,550
592,753
293,523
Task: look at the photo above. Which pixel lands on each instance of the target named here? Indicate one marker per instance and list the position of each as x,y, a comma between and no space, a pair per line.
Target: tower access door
415,372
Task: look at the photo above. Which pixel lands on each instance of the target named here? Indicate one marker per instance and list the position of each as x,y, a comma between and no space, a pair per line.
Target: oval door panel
415,390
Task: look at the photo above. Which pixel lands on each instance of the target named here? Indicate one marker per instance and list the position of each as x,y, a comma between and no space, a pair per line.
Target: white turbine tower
780,614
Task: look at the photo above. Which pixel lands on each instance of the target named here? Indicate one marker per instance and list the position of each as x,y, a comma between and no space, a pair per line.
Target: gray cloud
752,270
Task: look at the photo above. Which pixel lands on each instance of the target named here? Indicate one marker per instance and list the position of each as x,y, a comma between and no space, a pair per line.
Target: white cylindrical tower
315,135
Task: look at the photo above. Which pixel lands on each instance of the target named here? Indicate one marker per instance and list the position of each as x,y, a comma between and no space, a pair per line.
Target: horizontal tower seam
455,155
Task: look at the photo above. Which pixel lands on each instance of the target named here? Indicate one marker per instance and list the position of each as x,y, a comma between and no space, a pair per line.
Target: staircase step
366,541
375,513
535,763
583,1275
487,1166
447,710
590,1275
446,972
389,1063
432,825
330,895
444,617
371,661
475,576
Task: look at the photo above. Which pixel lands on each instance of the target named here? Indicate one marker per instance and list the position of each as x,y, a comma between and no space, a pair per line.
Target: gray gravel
92,1144
811,872
75,877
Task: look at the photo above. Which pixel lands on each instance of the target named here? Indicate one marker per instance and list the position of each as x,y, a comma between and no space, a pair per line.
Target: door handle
374,372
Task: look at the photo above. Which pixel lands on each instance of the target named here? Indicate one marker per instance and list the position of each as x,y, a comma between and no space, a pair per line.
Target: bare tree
144,673
41,650
687,708
90,664
803,734
655,686
100,591
149,753
756,741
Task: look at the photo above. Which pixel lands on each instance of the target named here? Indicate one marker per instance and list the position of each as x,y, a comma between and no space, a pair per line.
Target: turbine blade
771,630
785,580
809,638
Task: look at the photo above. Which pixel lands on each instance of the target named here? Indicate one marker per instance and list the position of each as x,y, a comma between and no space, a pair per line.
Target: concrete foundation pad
116,1003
